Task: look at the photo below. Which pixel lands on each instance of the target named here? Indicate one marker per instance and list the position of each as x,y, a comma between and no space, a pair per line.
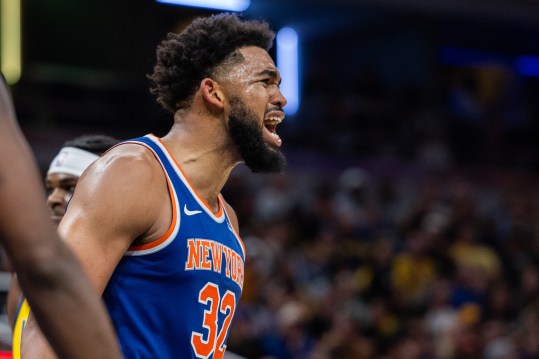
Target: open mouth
271,121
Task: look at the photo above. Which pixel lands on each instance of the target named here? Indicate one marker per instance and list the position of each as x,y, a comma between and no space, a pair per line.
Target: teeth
273,120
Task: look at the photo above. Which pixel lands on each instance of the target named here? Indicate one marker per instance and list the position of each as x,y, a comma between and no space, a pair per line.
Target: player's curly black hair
184,59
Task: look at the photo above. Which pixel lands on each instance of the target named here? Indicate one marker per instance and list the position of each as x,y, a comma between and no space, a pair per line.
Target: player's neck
204,153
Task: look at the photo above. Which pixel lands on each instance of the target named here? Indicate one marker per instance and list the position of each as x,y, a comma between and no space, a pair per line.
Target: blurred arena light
527,65
10,39
464,57
288,65
230,5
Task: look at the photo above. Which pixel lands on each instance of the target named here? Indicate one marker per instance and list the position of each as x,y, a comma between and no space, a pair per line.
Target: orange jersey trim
171,228
236,233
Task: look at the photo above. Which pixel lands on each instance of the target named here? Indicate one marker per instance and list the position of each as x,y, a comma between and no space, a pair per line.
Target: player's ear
212,93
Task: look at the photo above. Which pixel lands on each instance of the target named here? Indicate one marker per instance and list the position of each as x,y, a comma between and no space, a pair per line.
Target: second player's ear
212,93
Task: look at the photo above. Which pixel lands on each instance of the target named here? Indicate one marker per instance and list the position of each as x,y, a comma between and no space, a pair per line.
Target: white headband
72,161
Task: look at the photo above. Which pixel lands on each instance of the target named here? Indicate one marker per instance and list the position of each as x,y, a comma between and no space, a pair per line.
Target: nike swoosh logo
190,213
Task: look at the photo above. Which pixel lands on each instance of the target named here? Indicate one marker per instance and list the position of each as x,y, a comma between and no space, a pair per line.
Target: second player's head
67,167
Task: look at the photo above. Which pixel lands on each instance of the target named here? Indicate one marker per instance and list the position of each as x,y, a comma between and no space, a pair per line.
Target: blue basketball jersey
175,297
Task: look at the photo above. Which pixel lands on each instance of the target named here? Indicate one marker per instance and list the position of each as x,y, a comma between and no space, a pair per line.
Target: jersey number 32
214,341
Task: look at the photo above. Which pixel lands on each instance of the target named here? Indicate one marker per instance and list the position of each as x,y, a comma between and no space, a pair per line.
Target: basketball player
49,274
147,219
62,176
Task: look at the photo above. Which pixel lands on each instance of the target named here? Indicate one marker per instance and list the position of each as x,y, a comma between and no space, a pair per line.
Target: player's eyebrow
271,73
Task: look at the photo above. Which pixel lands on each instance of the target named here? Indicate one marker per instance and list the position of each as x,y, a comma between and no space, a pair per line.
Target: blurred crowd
407,226
478,115
409,263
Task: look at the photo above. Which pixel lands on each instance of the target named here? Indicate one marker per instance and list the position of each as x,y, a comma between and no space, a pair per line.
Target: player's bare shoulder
127,156
125,183
126,166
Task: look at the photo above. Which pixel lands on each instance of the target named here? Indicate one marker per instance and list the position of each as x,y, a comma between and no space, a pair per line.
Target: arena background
84,67
407,224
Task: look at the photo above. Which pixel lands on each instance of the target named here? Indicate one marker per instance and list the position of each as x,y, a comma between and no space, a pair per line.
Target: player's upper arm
115,202
28,236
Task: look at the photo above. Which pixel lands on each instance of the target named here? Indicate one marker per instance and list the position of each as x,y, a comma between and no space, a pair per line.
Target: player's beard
247,134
